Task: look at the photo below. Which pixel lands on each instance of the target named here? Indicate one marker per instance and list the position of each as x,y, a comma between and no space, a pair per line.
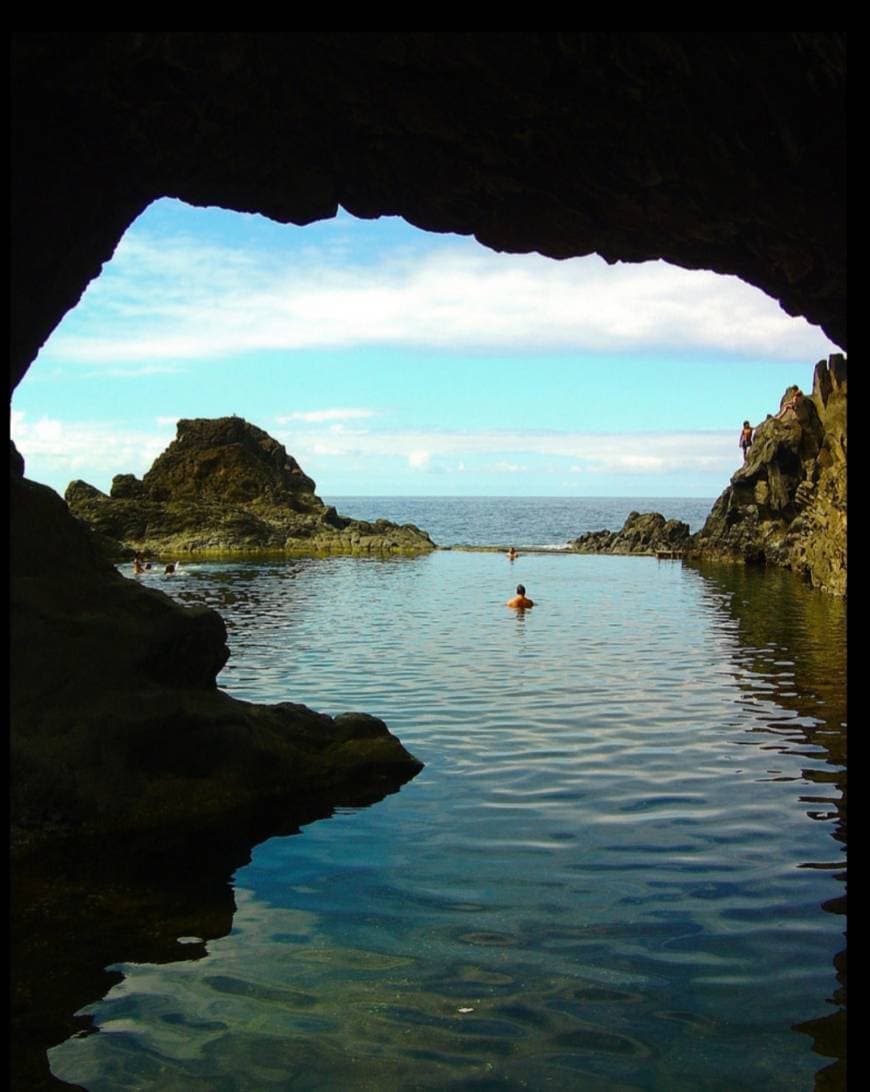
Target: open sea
622,867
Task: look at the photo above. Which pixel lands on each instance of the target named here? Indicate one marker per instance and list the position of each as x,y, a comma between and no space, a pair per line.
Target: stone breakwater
225,487
785,506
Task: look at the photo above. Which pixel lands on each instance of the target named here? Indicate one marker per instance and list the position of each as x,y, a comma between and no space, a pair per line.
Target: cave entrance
391,361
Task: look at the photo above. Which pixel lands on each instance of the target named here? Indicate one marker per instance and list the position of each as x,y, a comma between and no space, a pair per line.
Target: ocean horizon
541,522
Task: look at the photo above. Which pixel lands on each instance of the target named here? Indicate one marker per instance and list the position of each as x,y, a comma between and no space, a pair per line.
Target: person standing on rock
746,439
520,601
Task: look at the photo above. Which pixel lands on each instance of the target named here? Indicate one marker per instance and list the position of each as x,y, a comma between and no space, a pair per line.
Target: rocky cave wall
723,151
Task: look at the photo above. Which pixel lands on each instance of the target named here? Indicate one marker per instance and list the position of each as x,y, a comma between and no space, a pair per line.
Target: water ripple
600,880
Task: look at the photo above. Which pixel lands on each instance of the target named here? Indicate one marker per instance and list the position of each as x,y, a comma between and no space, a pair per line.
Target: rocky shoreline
785,506
118,728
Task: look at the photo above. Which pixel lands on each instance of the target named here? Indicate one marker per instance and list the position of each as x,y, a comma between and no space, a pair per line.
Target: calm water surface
610,874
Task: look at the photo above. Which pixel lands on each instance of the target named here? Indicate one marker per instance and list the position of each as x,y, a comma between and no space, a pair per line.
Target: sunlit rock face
224,486
649,533
722,151
787,504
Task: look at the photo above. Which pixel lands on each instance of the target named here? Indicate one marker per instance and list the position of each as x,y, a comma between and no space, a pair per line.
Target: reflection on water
616,871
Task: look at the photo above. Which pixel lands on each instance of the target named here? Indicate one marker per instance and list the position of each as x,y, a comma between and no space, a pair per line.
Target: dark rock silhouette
119,728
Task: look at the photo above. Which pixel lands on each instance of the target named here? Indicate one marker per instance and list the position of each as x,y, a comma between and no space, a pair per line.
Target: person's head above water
520,600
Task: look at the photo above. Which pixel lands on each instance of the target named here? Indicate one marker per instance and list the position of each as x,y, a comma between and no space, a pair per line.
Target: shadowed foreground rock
225,487
137,786
119,728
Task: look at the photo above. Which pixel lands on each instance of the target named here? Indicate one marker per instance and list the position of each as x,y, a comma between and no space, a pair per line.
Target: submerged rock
224,486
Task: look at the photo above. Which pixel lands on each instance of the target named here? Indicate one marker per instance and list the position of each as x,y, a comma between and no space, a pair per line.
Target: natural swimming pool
610,874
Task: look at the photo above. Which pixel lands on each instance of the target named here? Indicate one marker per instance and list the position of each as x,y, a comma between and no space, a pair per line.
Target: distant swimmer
512,554
138,567
519,600
170,569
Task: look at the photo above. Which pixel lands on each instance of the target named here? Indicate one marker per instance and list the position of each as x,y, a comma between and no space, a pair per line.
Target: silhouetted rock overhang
722,150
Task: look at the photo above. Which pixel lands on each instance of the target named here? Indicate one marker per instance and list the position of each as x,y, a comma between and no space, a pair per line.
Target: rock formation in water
226,487
787,504
118,728
649,533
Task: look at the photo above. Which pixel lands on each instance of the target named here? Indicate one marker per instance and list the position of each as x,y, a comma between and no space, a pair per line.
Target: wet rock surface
225,487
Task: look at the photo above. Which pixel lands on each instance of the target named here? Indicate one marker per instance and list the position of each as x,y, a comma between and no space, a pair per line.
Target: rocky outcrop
117,726
787,504
649,533
226,487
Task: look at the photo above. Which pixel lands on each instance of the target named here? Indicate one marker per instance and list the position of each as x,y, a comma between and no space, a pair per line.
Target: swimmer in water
170,569
512,554
519,600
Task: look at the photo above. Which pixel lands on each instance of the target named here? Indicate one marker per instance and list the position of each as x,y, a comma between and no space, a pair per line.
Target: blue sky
390,361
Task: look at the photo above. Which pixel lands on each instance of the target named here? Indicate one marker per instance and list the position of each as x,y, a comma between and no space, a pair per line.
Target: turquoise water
609,875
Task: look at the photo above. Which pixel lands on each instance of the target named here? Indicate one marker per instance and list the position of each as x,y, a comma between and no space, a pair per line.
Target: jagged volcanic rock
649,533
225,486
787,504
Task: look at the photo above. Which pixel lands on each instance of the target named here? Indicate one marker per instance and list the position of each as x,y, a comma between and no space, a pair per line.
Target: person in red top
746,439
520,600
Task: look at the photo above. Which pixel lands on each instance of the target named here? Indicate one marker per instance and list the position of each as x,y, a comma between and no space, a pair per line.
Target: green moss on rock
223,488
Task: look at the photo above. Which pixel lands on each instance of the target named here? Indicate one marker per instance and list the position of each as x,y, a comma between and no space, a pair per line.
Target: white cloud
162,300
64,449
58,451
348,414
666,452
